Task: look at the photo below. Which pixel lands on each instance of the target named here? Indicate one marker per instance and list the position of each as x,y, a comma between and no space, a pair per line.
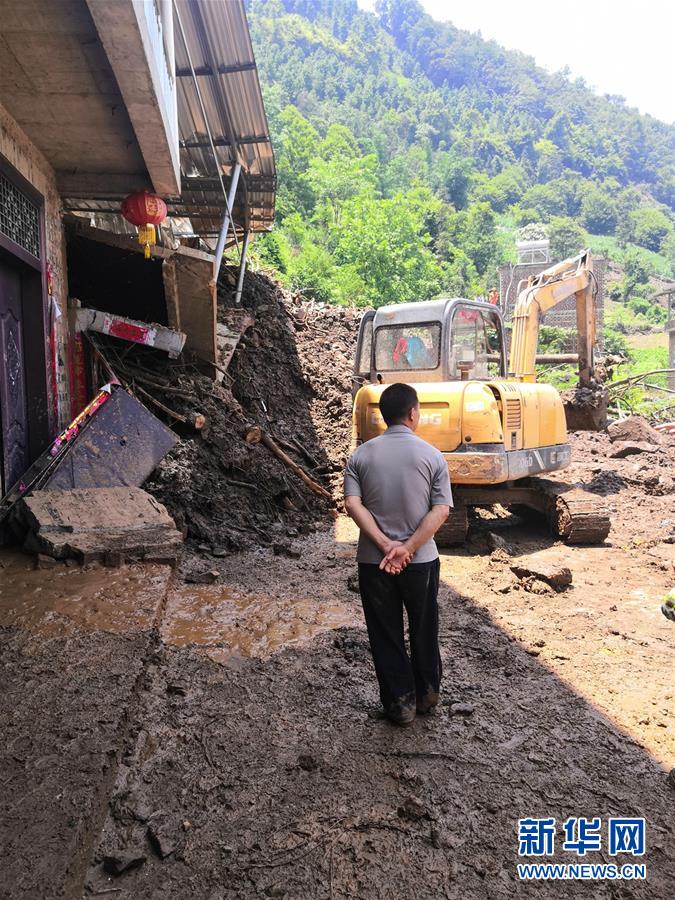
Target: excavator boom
545,291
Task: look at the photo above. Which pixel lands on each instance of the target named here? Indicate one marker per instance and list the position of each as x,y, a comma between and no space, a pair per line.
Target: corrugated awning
221,122
220,103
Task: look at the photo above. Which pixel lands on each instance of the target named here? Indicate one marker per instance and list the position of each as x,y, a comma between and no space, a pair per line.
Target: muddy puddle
94,598
227,623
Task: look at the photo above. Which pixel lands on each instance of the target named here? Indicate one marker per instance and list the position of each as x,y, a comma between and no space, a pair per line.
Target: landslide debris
290,376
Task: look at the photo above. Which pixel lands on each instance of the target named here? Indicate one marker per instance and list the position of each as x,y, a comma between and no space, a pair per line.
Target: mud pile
291,377
601,461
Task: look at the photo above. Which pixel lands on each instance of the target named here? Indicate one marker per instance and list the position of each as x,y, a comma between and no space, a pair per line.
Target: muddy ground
225,739
168,739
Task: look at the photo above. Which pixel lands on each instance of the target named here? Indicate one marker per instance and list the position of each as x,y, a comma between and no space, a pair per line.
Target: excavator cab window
400,348
474,347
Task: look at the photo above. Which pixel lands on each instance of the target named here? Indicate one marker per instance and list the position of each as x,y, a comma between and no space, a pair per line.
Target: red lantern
145,210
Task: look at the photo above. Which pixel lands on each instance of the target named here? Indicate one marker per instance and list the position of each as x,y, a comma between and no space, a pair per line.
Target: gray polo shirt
399,477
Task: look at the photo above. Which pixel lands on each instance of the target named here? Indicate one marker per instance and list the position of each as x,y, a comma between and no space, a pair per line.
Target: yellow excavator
497,426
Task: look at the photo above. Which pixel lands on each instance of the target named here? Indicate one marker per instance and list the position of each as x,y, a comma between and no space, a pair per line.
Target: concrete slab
91,524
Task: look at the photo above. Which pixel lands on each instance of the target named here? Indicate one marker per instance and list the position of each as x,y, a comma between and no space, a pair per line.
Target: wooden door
14,449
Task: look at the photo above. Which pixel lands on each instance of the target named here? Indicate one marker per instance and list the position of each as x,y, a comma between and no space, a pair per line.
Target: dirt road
226,738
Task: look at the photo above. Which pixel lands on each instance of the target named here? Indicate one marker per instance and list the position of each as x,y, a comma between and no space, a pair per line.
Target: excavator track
454,529
575,515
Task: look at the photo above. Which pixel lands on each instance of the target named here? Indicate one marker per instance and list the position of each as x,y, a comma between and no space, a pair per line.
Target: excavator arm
543,292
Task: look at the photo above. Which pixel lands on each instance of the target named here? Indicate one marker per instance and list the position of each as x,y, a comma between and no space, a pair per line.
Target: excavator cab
450,339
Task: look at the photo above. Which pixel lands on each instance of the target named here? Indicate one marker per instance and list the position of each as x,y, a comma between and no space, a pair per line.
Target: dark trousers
403,679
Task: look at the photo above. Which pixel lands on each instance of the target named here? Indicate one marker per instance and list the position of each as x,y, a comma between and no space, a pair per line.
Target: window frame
402,325
484,309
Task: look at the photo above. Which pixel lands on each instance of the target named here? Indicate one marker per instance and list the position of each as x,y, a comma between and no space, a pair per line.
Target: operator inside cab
414,352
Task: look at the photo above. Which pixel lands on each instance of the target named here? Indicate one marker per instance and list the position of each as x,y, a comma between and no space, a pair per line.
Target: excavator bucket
585,408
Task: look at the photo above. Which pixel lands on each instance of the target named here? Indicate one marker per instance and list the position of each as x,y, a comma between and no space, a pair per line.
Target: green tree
549,158
480,241
504,189
383,243
451,178
668,250
273,251
598,212
566,237
296,146
311,271
461,278
636,273
339,171
650,227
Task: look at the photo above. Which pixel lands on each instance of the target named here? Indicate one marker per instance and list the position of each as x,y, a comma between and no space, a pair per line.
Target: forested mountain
410,152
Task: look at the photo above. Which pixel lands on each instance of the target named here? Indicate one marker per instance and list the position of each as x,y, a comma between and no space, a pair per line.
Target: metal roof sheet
217,48
218,97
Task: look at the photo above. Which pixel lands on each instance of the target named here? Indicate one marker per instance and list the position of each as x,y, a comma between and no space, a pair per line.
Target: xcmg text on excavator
498,428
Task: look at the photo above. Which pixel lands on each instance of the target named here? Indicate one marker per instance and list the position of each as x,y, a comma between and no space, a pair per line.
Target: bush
556,340
272,251
615,343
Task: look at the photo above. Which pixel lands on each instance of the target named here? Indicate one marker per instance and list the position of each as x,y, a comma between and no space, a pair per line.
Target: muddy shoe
427,704
401,714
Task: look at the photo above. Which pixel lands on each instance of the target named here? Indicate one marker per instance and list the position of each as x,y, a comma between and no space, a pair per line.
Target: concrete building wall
29,162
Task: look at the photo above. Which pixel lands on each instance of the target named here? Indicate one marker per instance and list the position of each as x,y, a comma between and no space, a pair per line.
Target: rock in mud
163,839
113,559
117,863
209,577
412,808
635,429
558,577
353,584
497,542
281,549
622,449
308,762
462,709
537,586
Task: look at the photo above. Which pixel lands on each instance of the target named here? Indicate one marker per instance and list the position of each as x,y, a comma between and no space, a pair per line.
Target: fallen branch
164,389
244,484
255,435
305,452
613,384
196,420
657,387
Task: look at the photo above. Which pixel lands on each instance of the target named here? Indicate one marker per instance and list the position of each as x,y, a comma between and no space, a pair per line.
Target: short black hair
396,401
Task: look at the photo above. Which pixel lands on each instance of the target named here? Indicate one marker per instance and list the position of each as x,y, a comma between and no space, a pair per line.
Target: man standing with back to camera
397,490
